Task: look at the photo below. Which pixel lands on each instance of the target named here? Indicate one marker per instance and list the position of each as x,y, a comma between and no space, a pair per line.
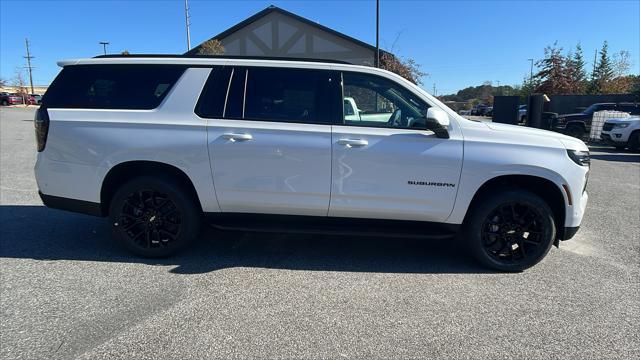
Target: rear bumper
73,205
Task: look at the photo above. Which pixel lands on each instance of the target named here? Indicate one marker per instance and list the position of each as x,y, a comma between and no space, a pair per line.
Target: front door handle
237,137
350,143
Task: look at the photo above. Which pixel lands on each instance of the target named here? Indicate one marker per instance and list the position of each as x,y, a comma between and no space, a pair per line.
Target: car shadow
39,233
610,154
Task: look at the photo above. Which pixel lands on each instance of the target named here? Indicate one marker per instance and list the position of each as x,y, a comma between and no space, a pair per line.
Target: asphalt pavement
68,291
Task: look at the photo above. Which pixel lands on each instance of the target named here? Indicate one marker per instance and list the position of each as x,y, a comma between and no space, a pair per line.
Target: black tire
154,216
510,231
5,103
575,131
634,141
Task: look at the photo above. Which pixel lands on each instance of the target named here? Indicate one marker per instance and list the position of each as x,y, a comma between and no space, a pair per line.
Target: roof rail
238,57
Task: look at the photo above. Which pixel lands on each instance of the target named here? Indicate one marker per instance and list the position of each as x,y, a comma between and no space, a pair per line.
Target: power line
29,67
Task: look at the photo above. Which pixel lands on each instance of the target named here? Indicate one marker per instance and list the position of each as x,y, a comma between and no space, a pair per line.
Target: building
278,33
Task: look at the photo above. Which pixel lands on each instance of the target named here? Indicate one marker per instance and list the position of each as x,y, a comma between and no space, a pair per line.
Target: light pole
377,33
104,46
187,23
531,71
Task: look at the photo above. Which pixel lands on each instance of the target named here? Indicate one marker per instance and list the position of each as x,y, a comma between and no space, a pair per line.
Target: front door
386,164
270,148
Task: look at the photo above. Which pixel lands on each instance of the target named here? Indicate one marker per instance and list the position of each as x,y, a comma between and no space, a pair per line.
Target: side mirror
438,120
439,116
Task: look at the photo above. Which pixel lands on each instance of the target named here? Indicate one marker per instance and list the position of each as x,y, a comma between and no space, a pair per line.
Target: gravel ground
67,291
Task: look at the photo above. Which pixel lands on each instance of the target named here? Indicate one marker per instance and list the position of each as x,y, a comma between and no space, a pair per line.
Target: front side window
374,101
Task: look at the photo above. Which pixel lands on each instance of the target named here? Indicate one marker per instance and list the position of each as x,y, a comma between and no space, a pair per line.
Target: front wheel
634,141
575,131
510,231
154,216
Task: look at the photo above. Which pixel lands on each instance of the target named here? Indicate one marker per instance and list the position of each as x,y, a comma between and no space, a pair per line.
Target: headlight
620,126
581,158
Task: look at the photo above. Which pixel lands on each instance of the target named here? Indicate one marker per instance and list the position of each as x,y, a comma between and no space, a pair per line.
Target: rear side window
270,94
138,87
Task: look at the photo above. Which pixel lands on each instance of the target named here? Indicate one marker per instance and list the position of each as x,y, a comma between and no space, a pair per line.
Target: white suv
622,133
155,142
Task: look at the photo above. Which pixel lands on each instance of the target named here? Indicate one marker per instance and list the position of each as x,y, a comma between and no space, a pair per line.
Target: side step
331,225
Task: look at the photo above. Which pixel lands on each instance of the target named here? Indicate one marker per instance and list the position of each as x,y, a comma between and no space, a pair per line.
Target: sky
458,43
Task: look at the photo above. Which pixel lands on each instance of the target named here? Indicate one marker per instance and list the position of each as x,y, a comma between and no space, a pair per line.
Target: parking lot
67,291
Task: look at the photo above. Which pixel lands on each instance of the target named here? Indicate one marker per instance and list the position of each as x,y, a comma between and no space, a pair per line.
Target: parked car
522,114
10,99
34,99
577,125
464,112
479,110
622,133
265,144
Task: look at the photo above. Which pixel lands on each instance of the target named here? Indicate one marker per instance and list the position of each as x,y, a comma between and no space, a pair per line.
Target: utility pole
377,33
434,89
187,23
104,46
595,60
531,72
29,67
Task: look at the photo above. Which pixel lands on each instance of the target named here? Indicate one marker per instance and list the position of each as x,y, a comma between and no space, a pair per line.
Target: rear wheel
634,141
575,130
510,231
154,216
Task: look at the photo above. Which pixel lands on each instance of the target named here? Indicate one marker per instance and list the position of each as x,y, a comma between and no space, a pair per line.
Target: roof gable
275,9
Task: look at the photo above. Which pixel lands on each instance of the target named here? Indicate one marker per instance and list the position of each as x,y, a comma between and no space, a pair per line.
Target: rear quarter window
138,87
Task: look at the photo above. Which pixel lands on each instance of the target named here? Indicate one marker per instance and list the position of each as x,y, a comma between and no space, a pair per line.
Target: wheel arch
125,171
546,189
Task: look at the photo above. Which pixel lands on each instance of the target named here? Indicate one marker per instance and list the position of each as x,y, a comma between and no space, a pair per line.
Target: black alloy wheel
154,216
510,230
150,219
575,131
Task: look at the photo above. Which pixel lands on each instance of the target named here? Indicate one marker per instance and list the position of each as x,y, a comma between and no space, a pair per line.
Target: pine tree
603,71
576,67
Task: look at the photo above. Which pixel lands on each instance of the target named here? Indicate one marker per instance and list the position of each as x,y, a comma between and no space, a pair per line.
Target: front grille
607,127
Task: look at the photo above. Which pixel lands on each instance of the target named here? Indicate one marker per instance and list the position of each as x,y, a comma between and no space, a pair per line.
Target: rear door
270,139
386,164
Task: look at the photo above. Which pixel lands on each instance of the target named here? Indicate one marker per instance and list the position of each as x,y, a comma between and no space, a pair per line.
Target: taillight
41,122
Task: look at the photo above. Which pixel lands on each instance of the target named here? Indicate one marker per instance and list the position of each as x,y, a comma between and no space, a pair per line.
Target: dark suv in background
577,125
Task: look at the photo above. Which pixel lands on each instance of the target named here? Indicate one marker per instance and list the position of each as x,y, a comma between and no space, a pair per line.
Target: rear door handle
237,137
353,142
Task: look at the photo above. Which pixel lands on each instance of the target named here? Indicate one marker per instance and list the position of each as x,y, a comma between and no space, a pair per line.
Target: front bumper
615,140
570,232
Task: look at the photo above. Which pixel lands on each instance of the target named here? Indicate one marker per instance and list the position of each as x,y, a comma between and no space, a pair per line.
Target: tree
554,76
3,82
125,52
211,47
603,71
578,75
18,82
407,68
